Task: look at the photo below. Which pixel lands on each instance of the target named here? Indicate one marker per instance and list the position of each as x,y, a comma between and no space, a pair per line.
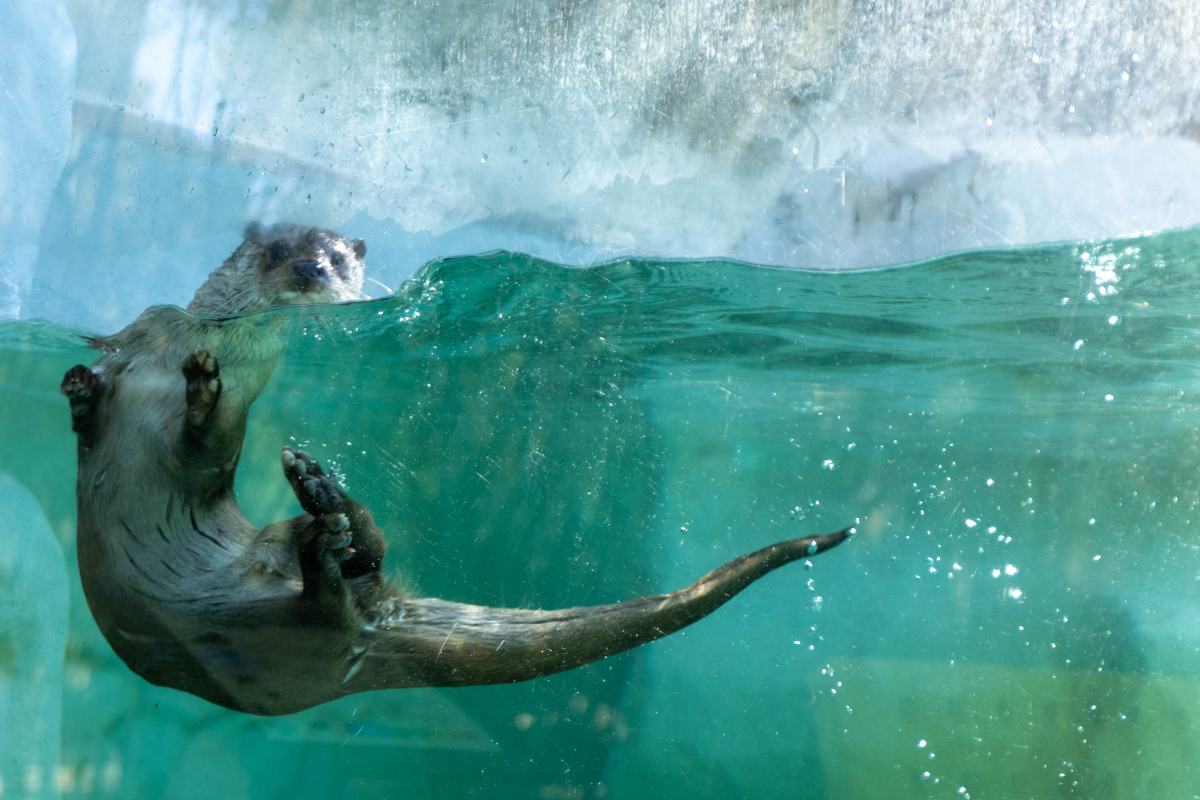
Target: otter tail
430,642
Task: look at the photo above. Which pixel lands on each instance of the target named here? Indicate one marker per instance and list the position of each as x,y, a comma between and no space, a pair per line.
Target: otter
193,596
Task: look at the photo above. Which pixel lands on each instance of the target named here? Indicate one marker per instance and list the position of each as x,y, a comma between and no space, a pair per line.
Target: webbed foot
316,491
321,497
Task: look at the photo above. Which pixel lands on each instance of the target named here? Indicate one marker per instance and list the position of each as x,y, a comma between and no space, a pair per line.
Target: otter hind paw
324,545
317,493
337,539
360,553
203,377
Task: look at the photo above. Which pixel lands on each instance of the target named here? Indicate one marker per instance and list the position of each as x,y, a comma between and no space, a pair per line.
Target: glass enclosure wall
616,342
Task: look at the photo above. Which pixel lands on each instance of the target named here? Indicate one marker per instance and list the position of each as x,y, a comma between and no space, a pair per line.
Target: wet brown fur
274,620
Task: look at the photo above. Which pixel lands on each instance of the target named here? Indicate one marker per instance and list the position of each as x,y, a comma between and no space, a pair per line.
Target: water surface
1014,433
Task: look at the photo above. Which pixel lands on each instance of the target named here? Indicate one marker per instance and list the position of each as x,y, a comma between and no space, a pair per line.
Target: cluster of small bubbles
816,602
828,465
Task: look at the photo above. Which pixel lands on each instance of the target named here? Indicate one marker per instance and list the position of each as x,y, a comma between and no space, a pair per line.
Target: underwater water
1014,432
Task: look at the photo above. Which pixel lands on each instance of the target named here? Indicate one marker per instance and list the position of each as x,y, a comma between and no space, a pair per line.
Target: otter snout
309,274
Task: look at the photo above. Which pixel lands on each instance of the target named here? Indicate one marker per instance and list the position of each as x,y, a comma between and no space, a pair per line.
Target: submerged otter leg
362,555
324,543
203,378
83,388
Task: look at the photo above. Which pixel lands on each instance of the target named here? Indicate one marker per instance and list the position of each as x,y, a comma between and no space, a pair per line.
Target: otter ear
360,247
253,230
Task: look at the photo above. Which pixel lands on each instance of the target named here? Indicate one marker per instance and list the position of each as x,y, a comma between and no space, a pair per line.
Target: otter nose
309,270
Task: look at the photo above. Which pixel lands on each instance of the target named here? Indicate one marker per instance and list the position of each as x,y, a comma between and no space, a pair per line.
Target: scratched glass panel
1011,430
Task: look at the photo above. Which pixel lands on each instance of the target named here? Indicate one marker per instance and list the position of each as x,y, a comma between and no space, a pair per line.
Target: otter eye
336,260
278,251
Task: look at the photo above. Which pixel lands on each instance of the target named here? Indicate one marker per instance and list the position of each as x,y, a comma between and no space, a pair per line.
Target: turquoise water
1015,433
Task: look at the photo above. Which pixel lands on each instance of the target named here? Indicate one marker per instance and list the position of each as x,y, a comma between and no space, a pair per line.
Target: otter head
284,265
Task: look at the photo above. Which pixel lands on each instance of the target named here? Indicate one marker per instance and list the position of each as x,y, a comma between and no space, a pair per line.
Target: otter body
273,620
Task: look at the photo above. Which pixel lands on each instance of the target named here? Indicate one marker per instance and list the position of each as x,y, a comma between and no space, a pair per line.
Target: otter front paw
82,387
203,378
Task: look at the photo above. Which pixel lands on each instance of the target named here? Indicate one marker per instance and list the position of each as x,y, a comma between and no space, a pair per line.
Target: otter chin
272,620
